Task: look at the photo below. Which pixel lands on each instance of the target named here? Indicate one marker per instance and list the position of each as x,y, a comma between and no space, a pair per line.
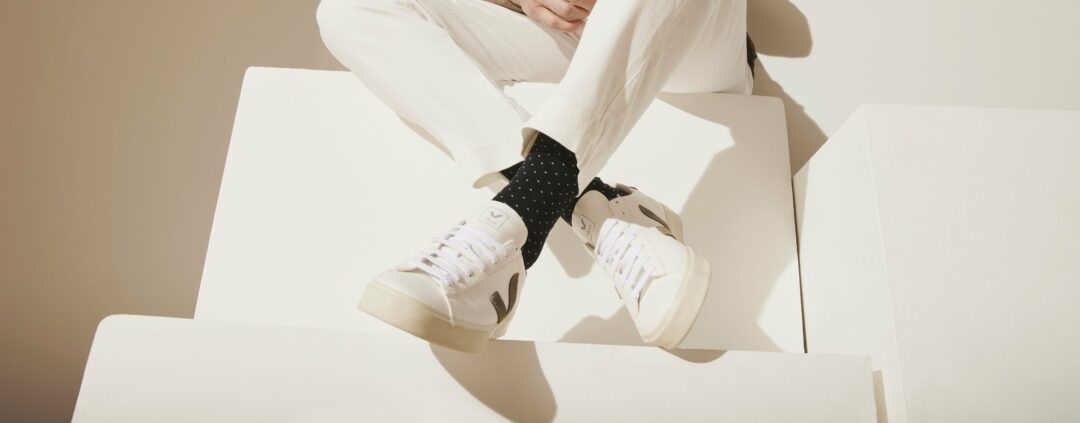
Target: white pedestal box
157,369
944,243
324,187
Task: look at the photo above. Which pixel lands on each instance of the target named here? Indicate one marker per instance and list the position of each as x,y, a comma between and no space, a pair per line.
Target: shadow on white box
181,370
324,187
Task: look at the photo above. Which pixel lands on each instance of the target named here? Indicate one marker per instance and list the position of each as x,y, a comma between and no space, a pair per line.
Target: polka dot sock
596,184
544,185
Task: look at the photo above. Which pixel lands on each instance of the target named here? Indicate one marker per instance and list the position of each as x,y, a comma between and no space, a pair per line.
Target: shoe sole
420,320
680,318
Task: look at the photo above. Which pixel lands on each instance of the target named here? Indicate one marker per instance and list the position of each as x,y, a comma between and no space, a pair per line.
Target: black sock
543,186
511,171
596,184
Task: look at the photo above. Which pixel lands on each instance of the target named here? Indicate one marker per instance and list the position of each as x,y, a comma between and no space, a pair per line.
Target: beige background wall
115,120
115,117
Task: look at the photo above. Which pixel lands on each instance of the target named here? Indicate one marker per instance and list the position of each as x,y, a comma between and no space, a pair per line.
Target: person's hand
561,15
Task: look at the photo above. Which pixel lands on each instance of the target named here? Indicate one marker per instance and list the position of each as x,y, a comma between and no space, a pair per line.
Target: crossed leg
442,64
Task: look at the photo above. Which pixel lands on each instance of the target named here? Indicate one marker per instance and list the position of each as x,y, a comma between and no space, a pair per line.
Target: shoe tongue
592,209
501,222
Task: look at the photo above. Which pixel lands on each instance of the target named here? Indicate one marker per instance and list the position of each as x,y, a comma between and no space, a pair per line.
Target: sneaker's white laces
621,259
458,254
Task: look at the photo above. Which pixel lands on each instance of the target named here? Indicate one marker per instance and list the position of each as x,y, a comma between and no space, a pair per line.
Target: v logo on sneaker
587,226
501,309
493,218
664,228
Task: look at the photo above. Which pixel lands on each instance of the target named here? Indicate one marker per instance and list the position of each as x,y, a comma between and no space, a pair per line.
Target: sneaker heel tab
625,189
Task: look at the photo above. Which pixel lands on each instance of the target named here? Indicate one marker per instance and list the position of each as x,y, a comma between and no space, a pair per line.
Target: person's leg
717,62
544,186
596,184
630,50
479,45
438,64
392,46
441,64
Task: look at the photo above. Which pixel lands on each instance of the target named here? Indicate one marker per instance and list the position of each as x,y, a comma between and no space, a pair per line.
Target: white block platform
320,175
944,242
157,369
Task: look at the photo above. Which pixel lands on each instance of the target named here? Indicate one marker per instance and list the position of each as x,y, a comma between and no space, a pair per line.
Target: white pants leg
441,64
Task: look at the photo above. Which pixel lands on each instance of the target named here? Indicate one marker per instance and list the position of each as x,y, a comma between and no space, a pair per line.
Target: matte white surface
156,369
324,187
943,242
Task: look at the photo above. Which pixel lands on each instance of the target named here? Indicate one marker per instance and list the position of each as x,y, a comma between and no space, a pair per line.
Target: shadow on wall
754,266
779,29
751,277
734,304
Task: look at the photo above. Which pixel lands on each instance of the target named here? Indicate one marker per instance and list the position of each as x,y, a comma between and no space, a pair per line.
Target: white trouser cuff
576,128
482,164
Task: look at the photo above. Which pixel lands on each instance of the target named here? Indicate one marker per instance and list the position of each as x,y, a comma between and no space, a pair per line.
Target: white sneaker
634,207
459,292
637,241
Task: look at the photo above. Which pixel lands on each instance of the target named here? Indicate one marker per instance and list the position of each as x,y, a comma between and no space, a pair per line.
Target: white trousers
442,65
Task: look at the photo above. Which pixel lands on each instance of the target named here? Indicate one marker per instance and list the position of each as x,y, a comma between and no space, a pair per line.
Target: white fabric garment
442,64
